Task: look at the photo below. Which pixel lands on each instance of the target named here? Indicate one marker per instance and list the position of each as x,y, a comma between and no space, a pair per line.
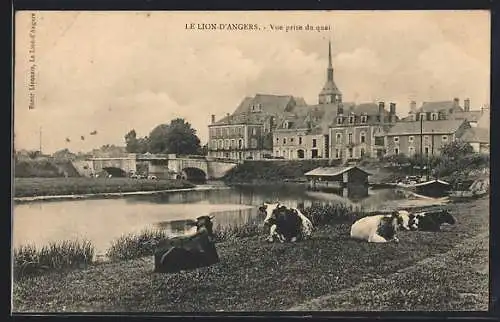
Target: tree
134,144
177,137
456,149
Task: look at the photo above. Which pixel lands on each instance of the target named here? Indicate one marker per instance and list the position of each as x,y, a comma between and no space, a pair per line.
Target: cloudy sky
116,71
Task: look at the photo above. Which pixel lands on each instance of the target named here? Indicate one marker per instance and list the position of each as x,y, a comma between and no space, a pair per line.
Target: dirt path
470,259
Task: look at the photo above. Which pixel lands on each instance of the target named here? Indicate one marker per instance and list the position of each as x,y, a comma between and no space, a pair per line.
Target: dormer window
351,119
363,119
434,116
422,116
339,120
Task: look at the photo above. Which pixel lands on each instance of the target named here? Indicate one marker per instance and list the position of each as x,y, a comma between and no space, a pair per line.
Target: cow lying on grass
188,252
379,228
286,224
431,220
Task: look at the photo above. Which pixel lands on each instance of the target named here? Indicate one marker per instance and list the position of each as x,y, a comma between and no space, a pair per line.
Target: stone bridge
162,166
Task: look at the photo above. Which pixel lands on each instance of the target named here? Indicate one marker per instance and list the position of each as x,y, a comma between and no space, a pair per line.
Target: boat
470,189
434,188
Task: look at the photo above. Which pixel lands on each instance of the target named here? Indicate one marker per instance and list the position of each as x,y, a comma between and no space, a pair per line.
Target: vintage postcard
251,161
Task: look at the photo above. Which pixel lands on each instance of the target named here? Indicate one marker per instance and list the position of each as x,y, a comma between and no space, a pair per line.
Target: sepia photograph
251,161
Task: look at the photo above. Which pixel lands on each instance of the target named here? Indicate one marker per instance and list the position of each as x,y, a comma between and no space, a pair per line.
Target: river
103,220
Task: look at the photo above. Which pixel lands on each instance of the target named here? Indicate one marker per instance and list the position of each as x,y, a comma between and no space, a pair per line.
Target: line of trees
176,137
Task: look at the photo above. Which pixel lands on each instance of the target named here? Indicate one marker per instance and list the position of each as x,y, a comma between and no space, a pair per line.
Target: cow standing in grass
188,252
432,220
286,224
378,228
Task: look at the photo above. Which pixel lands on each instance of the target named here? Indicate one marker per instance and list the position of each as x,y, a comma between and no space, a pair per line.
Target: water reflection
105,220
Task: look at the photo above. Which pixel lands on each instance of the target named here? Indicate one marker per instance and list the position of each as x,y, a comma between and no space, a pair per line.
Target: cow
407,221
432,220
286,224
378,228
188,252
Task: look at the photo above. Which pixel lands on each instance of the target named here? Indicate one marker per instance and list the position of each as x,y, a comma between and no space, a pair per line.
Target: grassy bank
44,168
29,187
252,274
272,171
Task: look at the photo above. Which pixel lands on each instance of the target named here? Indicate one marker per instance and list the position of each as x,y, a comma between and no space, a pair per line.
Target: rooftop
475,134
332,171
428,127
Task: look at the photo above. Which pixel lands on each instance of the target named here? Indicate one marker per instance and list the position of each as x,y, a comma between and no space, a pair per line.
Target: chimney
413,106
392,108
456,101
467,104
381,106
340,109
213,118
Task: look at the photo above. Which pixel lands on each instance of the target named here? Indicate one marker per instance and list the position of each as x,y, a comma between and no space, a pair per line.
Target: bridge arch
115,172
194,174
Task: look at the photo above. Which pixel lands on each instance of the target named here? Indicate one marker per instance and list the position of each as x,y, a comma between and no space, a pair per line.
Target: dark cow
188,252
432,220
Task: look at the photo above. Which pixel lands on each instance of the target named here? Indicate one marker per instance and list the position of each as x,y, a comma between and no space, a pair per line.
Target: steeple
330,93
329,70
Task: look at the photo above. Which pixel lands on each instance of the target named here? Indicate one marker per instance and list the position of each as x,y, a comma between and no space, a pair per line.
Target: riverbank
257,276
75,188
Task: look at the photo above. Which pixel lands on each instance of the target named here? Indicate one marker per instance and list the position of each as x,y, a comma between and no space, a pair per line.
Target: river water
103,220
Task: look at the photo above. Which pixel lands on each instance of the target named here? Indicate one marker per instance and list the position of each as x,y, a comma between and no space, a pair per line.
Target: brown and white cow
379,228
286,224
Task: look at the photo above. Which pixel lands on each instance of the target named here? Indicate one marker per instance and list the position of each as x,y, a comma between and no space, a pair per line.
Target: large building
285,126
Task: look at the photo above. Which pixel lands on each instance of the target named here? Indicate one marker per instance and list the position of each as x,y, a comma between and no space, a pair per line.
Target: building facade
426,137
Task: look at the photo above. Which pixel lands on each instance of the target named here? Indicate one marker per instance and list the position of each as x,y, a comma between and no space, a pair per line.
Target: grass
30,260
30,187
254,275
135,245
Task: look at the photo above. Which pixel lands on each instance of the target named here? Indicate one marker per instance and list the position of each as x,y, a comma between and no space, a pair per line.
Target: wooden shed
337,177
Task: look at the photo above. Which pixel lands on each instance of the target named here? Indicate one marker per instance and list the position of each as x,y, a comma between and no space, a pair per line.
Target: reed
30,260
135,245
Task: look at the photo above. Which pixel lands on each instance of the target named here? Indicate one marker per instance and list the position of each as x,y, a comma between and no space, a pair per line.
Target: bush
29,260
136,245
321,215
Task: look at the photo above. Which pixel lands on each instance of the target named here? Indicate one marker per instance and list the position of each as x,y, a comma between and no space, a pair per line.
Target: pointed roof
330,87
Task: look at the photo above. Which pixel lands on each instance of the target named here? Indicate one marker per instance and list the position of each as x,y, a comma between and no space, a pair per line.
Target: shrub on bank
28,187
135,245
30,260
321,215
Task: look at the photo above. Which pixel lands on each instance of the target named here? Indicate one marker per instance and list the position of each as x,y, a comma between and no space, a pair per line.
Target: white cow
379,228
306,224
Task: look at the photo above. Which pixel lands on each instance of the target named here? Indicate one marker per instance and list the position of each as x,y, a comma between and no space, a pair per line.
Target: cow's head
267,210
405,220
203,222
446,218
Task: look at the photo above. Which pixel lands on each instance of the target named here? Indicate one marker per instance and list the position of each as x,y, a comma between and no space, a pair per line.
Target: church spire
330,92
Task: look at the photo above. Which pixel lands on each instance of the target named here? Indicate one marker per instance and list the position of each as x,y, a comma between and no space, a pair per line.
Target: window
253,143
349,140
337,153
411,139
314,143
362,152
277,140
363,137
363,119
434,116
284,140
221,144
396,150
217,132
339,138
396,139
291,140
339,120
277,153
422,116
411,150
300,140
254,131
240,143
351,152
426,150
444,138
351,119
233,143
426,138
226,144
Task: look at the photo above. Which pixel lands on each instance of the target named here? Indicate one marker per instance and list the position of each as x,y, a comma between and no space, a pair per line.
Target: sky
111,72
